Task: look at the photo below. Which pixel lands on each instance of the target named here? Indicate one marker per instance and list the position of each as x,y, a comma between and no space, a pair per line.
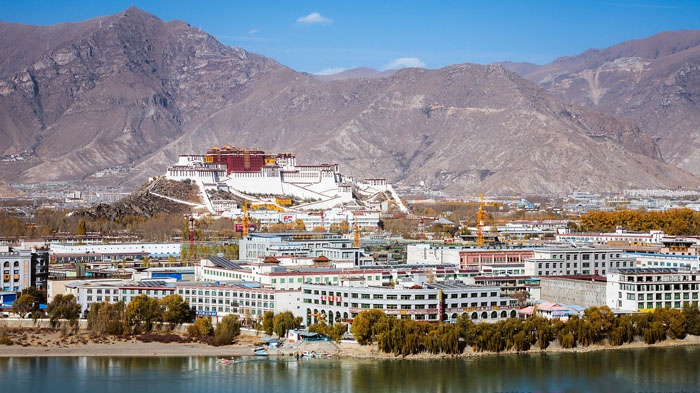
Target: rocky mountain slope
653,81
141,203
131,91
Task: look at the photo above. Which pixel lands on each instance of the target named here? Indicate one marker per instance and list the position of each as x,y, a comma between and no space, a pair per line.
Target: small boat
261,353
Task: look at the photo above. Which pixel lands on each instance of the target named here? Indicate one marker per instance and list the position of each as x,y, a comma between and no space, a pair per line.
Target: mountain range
116,99
654,82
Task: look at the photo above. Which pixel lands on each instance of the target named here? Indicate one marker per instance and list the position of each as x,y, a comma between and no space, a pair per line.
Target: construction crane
245,219
357,234
481,215
481,218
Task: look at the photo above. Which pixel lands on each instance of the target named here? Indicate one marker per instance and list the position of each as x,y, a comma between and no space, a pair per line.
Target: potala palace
260,177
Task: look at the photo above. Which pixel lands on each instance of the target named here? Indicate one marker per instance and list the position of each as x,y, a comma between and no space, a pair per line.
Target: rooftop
647,270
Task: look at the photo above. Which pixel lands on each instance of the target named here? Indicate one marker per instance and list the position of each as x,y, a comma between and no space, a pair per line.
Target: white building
254,172
158,250
430,302
620,236
433,255
15,269
681,262
644,289
575,261
306,244
115,290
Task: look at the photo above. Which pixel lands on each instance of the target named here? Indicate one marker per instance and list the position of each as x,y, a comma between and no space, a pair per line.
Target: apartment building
576,261
644,289
429,302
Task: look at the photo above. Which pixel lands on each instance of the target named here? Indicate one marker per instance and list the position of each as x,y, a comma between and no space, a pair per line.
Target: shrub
227,330
162,338
200,328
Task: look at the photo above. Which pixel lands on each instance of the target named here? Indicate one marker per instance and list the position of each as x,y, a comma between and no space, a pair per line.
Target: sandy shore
50,342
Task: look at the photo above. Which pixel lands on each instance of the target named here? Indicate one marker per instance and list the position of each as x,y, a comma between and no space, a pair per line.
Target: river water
675,369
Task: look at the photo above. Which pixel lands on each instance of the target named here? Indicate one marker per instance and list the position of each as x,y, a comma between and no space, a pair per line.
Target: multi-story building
429,302
40,269
430,254
479,257
20,269
655,260
504,269
644,289
15,269
283,277
306,244
619,237
584,291
156,250
247,300
114,290
575,261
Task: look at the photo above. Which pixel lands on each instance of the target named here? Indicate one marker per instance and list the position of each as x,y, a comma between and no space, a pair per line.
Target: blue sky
327,35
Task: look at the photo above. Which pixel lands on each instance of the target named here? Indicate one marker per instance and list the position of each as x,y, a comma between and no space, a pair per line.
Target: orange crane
481,214
356,233
245,219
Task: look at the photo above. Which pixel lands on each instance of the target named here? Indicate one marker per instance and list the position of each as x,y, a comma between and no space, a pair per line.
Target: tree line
280,324
676,222
596,325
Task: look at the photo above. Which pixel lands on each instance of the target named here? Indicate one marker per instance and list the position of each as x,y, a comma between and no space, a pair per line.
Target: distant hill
131,92
362,72
7,191
653,81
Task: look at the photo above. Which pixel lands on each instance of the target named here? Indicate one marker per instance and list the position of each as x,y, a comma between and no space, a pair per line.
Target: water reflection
661,369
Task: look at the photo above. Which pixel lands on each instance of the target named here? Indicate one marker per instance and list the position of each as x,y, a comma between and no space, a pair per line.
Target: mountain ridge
136,91
654,81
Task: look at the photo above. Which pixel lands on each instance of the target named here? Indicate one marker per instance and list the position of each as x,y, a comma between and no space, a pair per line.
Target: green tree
200,328
63,307
106,318
268,322
24,305
143,313
568,341
176,311
284,322
81,231
363,326
675,323
692,318
227,330
39,296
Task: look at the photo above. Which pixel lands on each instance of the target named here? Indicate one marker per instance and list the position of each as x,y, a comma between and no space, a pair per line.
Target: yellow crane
357,234
245,219
481,218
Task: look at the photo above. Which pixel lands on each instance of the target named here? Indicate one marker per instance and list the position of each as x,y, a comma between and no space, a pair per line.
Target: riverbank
354,350
53,343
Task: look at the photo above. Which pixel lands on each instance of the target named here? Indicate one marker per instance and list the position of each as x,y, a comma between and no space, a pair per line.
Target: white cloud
330,71
253,31
314,18
404,62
